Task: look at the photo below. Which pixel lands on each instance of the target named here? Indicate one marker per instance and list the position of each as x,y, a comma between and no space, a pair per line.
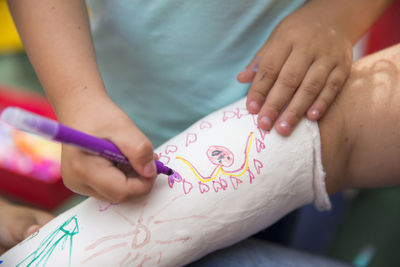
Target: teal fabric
168,63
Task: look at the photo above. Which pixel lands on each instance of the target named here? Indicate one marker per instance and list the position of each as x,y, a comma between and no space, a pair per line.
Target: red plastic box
44,194
385,32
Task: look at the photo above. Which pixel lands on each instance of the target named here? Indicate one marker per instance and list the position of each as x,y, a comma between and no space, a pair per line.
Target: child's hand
98,177
303,65
17,223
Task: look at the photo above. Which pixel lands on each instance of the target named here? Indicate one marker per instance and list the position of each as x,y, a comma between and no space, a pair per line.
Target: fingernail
150,169
254,106
266,122
254,66
242,72
315,113
31,229
285,125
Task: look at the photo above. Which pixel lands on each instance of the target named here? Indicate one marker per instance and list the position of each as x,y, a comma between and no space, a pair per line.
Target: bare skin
18,222
360,143
360,147
306,60
57,38
360,137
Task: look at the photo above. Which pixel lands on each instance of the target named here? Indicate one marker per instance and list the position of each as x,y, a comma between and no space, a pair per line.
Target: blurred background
29,165
361,229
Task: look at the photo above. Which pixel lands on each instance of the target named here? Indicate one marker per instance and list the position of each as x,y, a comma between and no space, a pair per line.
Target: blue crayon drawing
60,239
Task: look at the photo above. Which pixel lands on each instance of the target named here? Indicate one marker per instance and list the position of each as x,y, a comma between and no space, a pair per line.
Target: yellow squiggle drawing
219,168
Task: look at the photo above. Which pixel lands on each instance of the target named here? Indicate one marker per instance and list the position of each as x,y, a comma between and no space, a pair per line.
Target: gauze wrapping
232,179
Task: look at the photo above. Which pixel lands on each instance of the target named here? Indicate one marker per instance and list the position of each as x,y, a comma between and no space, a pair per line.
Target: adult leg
360,134
234,180
360,144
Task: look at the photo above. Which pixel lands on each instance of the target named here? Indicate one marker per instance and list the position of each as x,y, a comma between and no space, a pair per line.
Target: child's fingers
248,74
270,66
110,183
75,166
98,177
331,89
140,186
95,176
41,218
19,223
87,190
138,149
119,188
31,229
287,83
305,95
80,170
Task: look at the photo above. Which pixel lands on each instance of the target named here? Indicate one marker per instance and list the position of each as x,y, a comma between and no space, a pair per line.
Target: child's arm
306,61
57,38
17,223
260,177
184,218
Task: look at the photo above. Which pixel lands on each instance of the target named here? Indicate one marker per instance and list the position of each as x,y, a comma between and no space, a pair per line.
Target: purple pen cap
29,122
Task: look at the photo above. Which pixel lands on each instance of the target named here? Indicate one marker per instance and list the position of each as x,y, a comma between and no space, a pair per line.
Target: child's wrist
77,105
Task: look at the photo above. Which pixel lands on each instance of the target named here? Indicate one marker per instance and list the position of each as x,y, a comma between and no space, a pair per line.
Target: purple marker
33,123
